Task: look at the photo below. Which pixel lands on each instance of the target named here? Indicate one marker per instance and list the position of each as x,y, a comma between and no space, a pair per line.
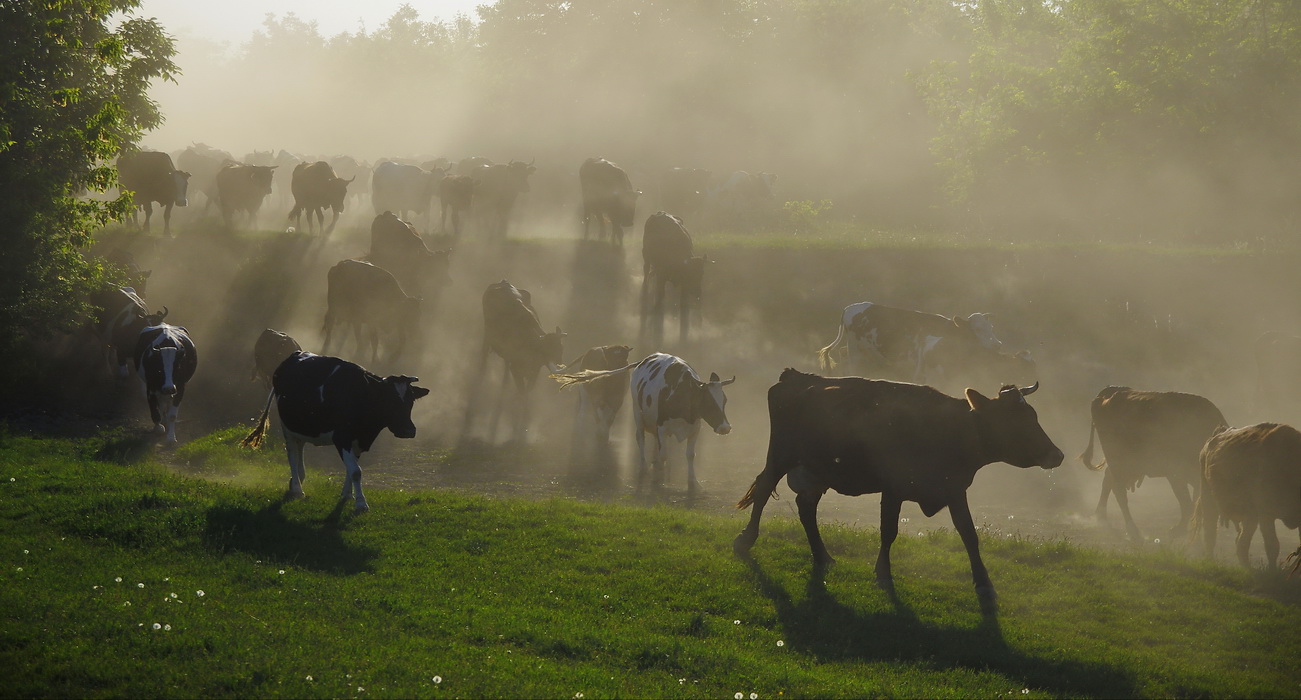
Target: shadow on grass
820,625
128,448
268,534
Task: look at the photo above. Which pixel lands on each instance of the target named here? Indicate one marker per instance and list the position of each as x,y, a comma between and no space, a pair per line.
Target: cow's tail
254,439
826,362
748,499
1087,455
589,375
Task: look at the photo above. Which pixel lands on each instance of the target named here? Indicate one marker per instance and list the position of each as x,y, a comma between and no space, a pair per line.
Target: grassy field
123,577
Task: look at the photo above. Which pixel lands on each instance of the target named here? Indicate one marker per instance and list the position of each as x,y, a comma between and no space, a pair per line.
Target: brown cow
363,294
396,247
1155,434
908,442
242,188
1251,477
151,177
666,258
271,348
316,187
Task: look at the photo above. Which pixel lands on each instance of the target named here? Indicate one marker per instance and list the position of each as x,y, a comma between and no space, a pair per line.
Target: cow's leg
352,479
294,450
1210,518
692,483
684,314
961,514
149,214
1270,536
641,450
333,221
167,220
501,395
155,413
1122,500
889,531
807,502
1181,489
1101,511
1244,540
173,407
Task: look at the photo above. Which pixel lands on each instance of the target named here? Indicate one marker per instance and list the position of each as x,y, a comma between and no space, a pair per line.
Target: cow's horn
729,381
1030,389
162,315
349,180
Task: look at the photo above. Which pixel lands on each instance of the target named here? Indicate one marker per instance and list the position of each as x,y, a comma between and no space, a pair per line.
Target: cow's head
261,176
337,191
181,183
154,319
713,403
982,326
397,397
518,174
1010,430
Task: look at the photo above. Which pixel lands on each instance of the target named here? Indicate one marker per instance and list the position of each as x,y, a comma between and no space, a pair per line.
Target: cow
473,165
1251,477
599,401
403,188
1278,371
607,195
165,359
500,184
362,294
666,258
242,188
668,399
892,343
120,315
511,331
151,177
271,348
742,193
204,162
324,400
396,247
456,196
683,190
1156,434
908,442
315,187
356,172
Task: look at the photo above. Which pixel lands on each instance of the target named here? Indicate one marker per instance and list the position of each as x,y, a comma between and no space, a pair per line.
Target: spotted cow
165,359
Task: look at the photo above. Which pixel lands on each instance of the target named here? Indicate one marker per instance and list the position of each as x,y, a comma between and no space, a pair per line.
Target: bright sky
235,20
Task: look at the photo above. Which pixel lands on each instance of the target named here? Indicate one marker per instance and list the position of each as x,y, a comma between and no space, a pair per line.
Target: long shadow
600,283
820,625
268,534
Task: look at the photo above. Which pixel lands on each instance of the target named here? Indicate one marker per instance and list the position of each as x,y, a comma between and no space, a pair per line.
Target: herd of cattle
885,431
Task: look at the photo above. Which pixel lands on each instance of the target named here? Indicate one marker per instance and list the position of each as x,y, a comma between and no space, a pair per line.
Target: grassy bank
123,578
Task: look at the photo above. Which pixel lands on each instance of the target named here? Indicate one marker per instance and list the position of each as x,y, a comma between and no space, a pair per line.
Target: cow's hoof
823,562
988,599
159,429
886,584
362,508
742,544
294,495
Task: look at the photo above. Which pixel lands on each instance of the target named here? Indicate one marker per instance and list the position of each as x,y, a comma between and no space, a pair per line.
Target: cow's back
1255,472
665,241
355,287
1153,433
508,313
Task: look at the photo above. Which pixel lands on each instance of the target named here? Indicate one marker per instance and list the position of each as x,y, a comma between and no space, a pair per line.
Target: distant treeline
1093,119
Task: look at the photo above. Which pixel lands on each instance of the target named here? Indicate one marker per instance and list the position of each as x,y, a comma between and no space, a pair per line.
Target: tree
73,82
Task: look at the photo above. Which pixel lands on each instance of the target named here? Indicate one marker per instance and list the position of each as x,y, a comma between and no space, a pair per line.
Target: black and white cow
668,399
324,400
165,359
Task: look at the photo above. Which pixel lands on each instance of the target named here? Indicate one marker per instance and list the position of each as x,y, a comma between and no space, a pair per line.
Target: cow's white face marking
402,390
719,398
168,356
181,182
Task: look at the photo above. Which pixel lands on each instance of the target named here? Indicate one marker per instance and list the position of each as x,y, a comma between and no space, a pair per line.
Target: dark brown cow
456,196
151,177
271,348
1155,434
1251,477
316,187
598,402
396,247
243,188
362,294
607,196
511,331
907,442
666,258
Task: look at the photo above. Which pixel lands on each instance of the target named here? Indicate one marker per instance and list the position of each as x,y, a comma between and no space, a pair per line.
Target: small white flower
578,695
437,679
1025,691
754,696
736,622
126,604
606,596
167,628
282,572
140,585
781,643
1010,517
157,626
118,579
20,568
25,552
200,593
682,681
95,588
167,578
173,595
12,479
360,689
1156,541
739,696
309,679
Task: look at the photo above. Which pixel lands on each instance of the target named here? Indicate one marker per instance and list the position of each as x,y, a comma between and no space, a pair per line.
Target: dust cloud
653,86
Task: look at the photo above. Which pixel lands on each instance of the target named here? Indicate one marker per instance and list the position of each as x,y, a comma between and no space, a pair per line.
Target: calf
1251,477
599,401
666,258
165,359
1156,434
669,399
907,442
271,348
396,247
512,332
361,294
325,400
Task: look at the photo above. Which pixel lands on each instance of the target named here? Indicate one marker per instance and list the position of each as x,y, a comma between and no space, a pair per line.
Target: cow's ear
714,378
977,400
418,392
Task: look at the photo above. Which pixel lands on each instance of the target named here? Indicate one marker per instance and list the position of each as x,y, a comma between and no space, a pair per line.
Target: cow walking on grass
1250,477
328,401
907,442
165,359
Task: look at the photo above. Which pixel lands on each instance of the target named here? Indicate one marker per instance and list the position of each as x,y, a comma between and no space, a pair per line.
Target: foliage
805,214
73,82
121,579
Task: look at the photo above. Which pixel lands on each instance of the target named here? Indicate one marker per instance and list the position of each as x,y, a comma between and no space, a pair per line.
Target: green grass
553,598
